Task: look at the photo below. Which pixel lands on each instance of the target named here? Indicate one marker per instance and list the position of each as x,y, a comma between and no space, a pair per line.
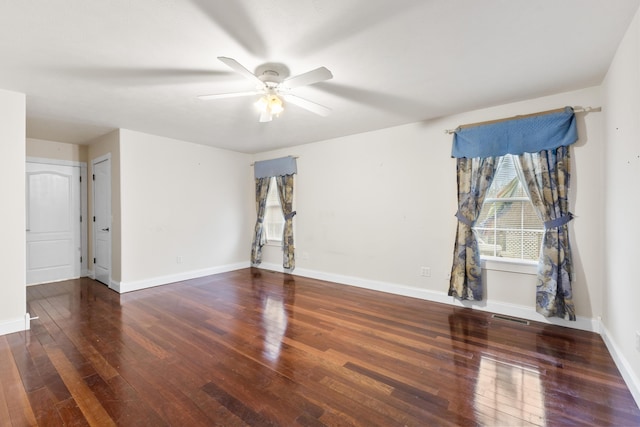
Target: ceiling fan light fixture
275,105
273,83
262,104
270,103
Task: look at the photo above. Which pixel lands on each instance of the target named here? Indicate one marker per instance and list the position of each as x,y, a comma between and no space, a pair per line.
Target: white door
102,220
53,211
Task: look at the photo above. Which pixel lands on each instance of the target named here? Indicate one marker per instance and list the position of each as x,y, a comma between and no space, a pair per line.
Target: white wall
621,316
185,210
13,293
375,207
56,150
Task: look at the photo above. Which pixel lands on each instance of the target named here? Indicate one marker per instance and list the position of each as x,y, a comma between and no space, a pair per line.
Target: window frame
501,263
512,265
273,186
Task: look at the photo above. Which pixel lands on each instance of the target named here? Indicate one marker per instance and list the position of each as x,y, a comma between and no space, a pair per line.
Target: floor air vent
510,319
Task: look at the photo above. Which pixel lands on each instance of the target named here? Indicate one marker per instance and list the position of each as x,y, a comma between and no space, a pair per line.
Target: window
273,218
508,225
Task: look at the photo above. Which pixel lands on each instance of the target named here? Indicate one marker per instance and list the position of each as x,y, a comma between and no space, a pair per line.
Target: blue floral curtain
259,240
541,142
547,176
474,179
285,192
282,169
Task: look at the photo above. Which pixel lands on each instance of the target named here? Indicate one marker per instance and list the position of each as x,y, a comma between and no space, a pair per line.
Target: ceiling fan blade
318,109
310,77
240,69
229,95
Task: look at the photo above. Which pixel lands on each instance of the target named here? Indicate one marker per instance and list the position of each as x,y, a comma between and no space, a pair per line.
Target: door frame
100,159
84,265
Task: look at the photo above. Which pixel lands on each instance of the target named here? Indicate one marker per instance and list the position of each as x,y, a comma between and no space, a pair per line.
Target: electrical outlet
178,260
425,271
638,341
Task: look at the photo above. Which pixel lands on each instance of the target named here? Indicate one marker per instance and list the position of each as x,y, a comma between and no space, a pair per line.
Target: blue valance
275,167
530,134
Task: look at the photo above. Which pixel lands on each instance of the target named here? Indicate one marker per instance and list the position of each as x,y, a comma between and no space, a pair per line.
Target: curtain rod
295,157
541,113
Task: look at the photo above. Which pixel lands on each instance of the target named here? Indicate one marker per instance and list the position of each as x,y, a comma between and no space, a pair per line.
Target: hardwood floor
252,347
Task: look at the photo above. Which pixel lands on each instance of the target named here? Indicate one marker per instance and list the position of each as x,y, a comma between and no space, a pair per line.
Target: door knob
105,229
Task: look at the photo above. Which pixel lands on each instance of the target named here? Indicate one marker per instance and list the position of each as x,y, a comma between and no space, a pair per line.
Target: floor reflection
274,319
507,392
277,298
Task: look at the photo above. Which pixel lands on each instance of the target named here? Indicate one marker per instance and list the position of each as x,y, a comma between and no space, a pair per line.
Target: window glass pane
273,218
506,182
531,220
508,225
531,244
508,215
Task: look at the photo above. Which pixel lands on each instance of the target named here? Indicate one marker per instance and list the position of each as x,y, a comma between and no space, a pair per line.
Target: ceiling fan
273,83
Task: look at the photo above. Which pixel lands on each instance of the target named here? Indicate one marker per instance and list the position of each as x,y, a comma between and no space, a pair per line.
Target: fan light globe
275,105
262,104
271,104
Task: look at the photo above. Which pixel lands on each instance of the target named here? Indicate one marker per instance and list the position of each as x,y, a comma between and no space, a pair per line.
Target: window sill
276,243
509,265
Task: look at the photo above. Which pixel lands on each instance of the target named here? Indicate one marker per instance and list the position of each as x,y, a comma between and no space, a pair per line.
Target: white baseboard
113,285
513,310
630,378
137,285
275,267
16,325
83,273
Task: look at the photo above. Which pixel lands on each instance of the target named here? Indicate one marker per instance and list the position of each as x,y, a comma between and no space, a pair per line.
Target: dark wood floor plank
91,408
236,406
71,414
44,407
252,347
17,408
173,406
25,364
127,407
191,381
4,408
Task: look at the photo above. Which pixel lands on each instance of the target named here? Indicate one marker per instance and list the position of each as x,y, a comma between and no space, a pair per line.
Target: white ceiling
91,66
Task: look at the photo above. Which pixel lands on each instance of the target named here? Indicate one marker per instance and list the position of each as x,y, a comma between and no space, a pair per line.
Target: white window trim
277,243
511,265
